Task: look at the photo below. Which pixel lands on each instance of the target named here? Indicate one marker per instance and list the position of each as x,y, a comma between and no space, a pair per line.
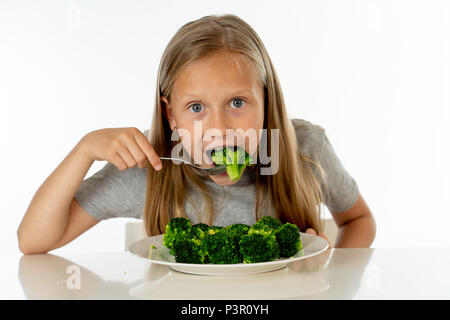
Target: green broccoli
240,228
214,228
235,160
267,221
218,156
236,232
259,245
188,250
185,240
266,240
221,246
176,227
288,239
195,232
150,252
203,226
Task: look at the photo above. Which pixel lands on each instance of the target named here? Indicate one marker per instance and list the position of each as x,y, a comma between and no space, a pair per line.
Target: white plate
312,245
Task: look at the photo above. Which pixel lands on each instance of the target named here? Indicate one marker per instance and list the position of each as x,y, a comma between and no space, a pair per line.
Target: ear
168,112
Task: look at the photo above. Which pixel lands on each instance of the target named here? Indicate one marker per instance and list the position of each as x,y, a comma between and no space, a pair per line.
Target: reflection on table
121,276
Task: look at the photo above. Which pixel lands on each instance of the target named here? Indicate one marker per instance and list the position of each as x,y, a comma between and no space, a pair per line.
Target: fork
207,171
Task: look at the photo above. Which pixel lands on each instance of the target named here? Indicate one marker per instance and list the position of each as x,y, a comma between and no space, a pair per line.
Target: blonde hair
294,191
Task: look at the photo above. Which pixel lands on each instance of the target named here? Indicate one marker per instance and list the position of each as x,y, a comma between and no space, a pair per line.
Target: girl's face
212,95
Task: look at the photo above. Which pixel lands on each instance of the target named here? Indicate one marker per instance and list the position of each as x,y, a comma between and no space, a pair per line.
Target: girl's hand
123,147
321,234
316,262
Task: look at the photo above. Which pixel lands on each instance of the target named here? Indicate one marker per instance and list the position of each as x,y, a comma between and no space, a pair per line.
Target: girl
215,71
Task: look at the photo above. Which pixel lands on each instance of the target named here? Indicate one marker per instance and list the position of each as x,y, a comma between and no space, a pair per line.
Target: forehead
221,72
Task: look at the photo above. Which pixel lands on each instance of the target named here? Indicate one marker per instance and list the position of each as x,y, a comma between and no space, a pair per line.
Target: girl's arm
54,217
356,226
48,214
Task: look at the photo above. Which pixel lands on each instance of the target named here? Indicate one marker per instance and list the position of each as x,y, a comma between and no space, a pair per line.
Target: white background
374,74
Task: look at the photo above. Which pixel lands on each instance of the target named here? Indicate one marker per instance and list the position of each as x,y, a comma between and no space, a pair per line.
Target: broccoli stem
233,171
233,161
242,167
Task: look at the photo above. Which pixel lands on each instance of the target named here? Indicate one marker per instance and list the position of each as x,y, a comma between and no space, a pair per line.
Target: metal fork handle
206,171
182,160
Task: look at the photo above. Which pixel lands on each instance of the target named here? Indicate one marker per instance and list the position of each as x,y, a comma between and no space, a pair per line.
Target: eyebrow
197,97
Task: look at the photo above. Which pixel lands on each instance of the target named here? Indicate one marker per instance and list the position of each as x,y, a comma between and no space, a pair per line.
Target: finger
118,162
137,153
311,231
127,157
148,150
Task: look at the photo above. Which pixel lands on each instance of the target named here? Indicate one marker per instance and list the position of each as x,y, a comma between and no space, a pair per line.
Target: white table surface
336,274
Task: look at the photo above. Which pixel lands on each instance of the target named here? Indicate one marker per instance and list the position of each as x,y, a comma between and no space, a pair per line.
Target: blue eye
237,105
196,107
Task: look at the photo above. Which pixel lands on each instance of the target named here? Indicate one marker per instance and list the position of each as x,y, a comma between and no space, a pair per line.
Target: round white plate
312,245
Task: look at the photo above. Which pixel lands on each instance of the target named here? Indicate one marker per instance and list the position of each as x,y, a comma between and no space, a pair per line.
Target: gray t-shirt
113,193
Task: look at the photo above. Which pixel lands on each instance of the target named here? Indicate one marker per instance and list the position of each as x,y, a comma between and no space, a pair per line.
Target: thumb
311,231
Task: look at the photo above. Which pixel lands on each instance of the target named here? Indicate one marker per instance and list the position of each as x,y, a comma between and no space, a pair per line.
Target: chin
223,180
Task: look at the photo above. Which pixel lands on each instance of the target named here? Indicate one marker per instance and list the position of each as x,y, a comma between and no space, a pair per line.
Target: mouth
234,158
209,152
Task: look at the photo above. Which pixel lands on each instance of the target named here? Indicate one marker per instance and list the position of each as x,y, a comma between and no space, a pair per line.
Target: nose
215,125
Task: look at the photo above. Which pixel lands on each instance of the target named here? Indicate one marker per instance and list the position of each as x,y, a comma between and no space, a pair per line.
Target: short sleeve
341,190
111,193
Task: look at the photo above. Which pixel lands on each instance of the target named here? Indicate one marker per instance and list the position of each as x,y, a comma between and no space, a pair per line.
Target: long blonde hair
294,191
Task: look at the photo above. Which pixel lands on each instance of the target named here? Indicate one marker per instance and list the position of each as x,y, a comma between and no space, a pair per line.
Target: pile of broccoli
266,240
235,160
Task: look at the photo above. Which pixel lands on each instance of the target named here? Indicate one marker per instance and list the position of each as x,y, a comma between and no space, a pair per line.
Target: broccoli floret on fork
235,159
